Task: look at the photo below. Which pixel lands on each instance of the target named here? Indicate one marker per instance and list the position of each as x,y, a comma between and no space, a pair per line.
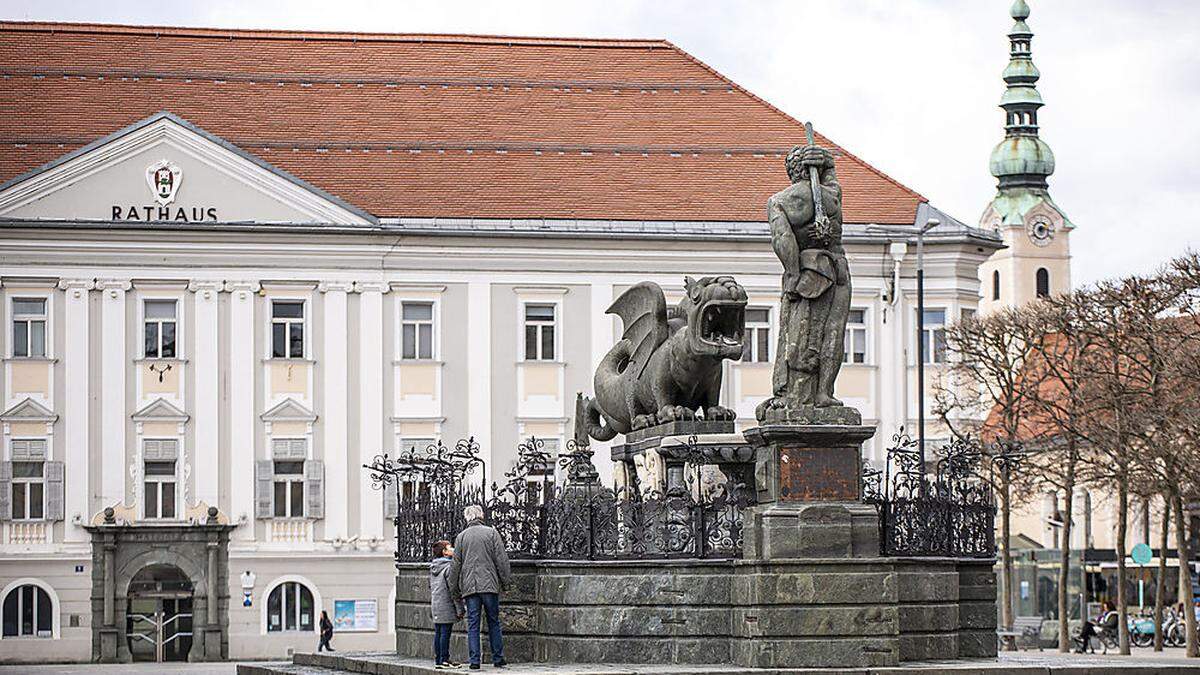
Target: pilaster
333,362
113,413
206,458
77,482
601,342
242,418
479,364
371,418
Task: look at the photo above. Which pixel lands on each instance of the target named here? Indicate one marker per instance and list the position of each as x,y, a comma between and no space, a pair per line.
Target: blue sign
1141,554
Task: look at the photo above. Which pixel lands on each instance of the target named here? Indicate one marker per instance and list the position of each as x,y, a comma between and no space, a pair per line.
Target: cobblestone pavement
1023,663
1142,662
132,668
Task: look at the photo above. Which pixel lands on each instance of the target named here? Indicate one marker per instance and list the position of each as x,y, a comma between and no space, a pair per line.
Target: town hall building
236,265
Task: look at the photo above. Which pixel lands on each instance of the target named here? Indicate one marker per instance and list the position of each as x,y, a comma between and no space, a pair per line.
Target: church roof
427,126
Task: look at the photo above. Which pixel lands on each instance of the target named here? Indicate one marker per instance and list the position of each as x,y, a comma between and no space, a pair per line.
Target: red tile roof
431,125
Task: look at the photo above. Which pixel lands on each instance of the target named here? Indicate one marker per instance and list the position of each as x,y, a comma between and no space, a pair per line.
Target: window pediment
289,410
28,410
160,410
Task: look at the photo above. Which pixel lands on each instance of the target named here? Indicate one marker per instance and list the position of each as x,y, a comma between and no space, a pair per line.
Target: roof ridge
779,111
351,36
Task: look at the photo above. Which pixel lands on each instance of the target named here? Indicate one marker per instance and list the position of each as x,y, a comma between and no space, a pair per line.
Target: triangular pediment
167,170
28,410
289,410
160,410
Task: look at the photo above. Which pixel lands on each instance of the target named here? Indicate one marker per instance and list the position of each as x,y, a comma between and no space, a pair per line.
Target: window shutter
54,491
314,487
20,449
289,448
264,471
390,505
5,490
162,450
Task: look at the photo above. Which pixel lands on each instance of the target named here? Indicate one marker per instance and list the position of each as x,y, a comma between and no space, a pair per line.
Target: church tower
1037,260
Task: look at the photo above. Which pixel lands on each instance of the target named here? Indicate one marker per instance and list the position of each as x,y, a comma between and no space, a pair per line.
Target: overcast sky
909,85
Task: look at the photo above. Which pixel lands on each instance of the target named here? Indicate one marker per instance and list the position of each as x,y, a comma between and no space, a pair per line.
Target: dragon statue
667,364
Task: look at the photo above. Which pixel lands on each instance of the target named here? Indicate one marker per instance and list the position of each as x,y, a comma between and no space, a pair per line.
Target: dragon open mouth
722,324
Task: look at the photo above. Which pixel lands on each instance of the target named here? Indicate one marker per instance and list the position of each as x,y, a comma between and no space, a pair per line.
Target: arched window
28,612
290,607
1043,282
996,285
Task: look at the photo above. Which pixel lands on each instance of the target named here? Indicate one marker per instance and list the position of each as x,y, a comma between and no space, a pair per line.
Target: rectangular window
28,491
854,349
287,329
159,329
757,346
160,489
539,332
933,339
416,330
289,488
410,487
540,481
29,327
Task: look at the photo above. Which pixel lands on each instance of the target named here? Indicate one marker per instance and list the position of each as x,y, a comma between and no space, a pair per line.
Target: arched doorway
159,616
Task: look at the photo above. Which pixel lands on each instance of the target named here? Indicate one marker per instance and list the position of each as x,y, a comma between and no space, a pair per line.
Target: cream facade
253,358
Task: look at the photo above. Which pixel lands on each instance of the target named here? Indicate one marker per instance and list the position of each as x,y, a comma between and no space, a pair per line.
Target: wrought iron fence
951,513
540,518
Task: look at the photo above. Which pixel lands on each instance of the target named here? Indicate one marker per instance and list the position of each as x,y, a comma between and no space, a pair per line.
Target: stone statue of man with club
806,233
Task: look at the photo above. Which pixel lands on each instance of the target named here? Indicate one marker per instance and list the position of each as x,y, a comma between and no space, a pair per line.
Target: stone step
1037,663
284,668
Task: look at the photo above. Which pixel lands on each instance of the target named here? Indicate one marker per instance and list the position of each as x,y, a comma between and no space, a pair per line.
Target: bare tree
986,392
1127,371
1057,409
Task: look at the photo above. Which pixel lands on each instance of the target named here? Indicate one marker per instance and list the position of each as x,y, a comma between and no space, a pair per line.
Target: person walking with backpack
479,573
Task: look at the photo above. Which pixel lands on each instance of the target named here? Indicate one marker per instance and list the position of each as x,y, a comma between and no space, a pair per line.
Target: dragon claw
670,413
719,413
643,421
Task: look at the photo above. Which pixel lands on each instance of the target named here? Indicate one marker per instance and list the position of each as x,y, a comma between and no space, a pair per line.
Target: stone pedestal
817,547
656,458
808,477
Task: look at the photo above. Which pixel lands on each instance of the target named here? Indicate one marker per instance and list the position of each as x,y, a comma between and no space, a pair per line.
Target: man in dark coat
479,573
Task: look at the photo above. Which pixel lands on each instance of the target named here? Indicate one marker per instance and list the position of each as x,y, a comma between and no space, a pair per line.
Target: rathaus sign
164,178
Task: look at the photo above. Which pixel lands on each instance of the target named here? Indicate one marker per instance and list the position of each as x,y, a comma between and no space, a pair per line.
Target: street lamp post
919,232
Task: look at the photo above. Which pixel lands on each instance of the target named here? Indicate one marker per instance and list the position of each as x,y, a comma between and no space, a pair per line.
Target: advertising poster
355,615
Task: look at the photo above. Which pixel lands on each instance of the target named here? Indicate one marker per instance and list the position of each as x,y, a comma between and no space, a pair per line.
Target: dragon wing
643,311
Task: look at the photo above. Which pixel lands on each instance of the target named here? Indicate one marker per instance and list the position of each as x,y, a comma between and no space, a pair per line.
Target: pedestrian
326,632
478,575
444,607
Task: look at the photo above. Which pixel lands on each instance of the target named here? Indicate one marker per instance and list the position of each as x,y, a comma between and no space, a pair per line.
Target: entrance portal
159,616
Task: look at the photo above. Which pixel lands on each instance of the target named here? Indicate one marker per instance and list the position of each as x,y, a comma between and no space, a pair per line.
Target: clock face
1041,230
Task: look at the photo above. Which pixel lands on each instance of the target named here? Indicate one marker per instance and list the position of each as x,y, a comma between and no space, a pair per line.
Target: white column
205,371
75,407
242,369
333,363
602,337
113,414
371,370
479,368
